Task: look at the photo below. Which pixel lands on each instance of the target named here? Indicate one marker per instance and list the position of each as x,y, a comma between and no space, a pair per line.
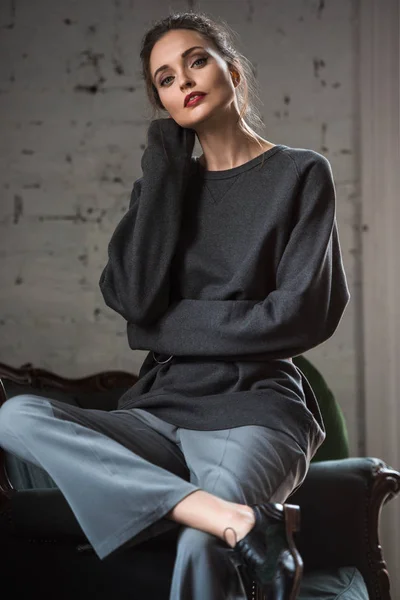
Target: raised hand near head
170,139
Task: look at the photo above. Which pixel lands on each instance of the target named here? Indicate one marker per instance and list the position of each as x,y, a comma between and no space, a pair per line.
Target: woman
225,267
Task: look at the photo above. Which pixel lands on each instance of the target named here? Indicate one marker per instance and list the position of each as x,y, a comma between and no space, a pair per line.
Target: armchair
46,551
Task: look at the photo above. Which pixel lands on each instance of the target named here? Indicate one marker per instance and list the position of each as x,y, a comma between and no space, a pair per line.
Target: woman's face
202,69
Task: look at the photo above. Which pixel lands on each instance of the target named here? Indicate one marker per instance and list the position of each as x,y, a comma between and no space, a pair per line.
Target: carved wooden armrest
341,503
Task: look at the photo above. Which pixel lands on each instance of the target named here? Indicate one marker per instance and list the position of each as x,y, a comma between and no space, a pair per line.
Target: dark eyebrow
182,55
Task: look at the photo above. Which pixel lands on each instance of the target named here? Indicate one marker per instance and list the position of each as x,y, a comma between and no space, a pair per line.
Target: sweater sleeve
302,311
136,279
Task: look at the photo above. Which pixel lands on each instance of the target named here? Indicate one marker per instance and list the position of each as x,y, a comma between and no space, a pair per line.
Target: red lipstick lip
189,96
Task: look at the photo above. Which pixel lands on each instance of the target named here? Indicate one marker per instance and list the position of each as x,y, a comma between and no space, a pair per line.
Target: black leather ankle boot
268,551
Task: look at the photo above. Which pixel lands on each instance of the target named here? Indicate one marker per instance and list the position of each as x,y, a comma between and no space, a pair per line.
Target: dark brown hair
222,36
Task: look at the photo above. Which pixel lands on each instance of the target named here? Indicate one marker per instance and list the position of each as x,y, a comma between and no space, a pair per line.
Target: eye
204,58
164,80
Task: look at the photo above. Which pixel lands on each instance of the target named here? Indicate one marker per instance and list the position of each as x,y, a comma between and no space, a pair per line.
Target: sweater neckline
241,168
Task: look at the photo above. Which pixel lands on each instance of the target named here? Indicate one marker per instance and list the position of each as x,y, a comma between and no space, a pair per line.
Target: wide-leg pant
122,471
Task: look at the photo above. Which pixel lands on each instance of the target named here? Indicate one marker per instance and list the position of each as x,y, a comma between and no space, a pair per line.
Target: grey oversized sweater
231,273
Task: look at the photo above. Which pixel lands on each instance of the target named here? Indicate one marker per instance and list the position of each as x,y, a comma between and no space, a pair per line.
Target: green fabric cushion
345,583
336,444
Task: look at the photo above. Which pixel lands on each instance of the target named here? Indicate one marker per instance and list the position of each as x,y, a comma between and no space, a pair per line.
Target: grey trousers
122,471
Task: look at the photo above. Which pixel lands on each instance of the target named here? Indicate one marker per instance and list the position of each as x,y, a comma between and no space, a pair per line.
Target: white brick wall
73,122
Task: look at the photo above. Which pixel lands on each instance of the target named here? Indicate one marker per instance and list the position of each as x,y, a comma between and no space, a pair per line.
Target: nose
186,81
187,87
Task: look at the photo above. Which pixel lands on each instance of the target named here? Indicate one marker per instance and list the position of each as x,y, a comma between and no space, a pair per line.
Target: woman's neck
222,164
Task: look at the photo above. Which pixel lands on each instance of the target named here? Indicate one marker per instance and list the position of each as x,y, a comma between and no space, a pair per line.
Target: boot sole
292,520
292,525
